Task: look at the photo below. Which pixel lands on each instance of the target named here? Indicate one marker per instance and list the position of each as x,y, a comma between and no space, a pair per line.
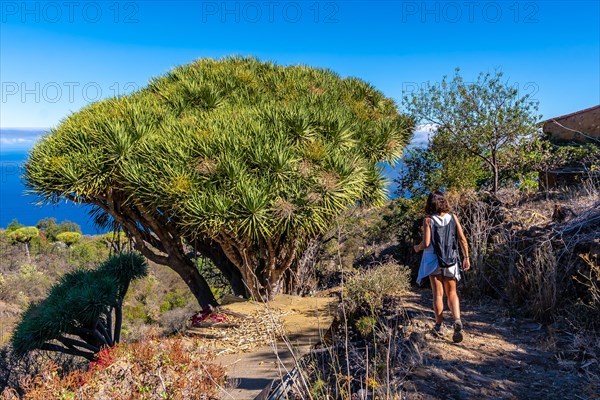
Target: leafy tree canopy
486,122
52,229
14,225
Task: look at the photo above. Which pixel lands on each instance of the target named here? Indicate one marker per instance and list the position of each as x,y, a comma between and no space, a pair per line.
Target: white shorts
450,272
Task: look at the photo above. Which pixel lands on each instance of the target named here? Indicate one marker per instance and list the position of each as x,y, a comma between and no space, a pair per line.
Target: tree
13,226
115,240
24,235
77,316
68,238
433,167
486,119
52,229
242,162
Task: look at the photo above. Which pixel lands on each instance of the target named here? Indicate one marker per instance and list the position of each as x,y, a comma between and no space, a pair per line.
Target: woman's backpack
444,242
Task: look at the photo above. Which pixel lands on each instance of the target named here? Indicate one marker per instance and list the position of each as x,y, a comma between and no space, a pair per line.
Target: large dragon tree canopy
247,154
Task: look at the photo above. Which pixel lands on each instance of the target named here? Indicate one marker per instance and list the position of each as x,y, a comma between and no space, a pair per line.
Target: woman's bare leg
437,288
453,301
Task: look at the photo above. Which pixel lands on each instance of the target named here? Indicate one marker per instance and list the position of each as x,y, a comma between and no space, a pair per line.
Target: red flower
104,358
197,318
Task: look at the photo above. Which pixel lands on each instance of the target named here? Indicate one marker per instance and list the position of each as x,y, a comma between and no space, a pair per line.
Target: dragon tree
83,311
239,161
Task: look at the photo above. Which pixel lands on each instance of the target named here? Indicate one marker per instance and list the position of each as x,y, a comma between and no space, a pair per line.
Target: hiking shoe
436,331
457,337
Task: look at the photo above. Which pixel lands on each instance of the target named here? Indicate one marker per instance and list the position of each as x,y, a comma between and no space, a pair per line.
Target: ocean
15,202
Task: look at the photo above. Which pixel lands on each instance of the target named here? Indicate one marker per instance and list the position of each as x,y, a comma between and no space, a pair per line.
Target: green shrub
27,285
13,226
136,311
528,182
87,252
318,388
174,299
365,325
143,302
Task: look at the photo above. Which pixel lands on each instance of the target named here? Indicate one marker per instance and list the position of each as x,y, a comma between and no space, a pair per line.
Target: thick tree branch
102,329
74,352
72,343
118,323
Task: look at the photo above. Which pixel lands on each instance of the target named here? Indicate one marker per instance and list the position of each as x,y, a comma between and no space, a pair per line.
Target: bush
176,320
87,252
174,299
369,288
13,226
405,221
136,312
15,371
37,245
365,325
28,284
143,300
543,268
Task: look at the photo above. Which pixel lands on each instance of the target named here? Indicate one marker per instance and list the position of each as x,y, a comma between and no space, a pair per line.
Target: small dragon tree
68,238
24,235
117,241
77,316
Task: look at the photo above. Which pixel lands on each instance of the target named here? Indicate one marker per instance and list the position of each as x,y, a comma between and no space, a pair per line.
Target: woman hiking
440,261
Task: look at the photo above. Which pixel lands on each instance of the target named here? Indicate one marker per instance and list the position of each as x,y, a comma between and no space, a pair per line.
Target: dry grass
240,333
370,349
521,255
369,288
364,365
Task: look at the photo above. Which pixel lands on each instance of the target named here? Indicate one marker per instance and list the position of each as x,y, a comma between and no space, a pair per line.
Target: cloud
12,141
21,138
422,134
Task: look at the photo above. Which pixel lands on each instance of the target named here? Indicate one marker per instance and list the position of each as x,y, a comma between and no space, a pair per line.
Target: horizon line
23,128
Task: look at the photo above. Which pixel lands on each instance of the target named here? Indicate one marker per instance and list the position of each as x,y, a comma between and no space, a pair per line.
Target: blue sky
55,57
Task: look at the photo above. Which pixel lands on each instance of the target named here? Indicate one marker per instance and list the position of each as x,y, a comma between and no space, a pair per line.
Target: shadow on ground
500,358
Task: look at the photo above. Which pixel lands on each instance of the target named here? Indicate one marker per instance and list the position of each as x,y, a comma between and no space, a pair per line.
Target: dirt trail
500,358
252,359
